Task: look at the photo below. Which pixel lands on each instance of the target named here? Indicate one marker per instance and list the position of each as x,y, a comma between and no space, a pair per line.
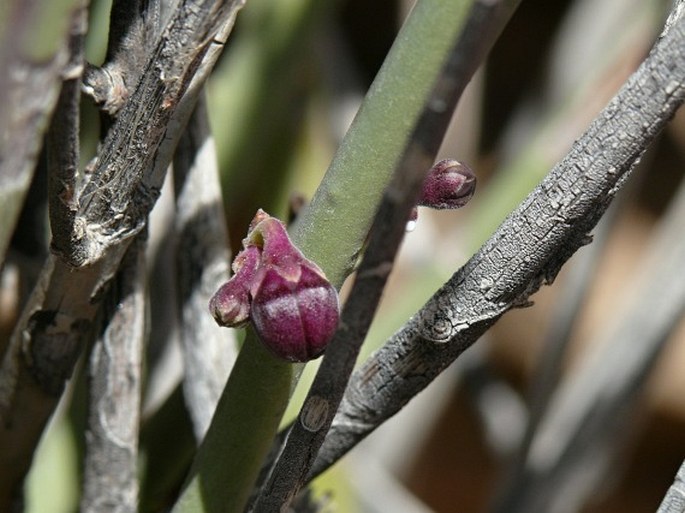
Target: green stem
330,232
241,432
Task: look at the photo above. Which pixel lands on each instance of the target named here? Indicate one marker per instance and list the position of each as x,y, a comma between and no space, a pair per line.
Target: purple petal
295,319
230,305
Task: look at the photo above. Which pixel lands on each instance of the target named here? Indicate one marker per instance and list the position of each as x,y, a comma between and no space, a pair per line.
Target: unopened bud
449,184
293,307
295,316
230,305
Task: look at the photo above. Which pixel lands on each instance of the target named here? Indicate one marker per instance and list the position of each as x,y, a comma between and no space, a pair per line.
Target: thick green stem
330,232
241,432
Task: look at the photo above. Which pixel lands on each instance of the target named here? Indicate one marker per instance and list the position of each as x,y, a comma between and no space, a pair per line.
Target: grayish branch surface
134,26
63,148
31,74
674,501
58,320
202,262
480,31
111,464
526,251
131,165
578,439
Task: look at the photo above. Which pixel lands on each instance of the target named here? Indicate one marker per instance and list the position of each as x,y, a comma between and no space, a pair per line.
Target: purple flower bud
270,235
292,306
449,184
230,305
295,315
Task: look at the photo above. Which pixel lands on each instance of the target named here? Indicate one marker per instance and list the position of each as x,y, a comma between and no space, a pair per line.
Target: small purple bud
295,318
449,184
293,307
230,305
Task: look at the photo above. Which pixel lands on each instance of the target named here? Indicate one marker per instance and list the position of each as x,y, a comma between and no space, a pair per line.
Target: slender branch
63,136
134,155
549,367
578,438
113,207
255,397
34,54
674,501
526,251
110,469
202,262
482,26
134,26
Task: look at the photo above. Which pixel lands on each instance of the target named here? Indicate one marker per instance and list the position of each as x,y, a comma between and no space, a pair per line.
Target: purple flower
292,306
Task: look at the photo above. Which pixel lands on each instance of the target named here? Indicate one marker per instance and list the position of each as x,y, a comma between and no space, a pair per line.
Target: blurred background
280,100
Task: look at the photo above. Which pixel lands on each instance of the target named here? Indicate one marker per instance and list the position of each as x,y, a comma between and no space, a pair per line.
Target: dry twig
202,258
526,251
110,471
482,27
111,209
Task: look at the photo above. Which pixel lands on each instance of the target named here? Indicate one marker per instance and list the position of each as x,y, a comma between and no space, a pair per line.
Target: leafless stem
481,30
526,251
112,208
133,159
674,501
134,26
110,470
578,438
202,262
63,136
565,315
29,86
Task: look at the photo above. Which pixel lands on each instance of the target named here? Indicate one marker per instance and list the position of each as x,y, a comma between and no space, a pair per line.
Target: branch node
314,413
106,86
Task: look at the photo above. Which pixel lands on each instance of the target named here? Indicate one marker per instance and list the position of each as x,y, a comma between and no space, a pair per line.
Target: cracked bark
111,209
111,463
525,252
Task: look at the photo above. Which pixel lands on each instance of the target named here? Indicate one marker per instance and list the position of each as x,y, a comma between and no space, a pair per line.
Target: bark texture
526,251
111,208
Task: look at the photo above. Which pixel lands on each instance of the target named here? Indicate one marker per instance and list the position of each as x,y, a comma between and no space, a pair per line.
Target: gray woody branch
526,251
62,141
202,258
133,25
34,59
115,375
482,26
579,437
131,164
674,501
111,209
